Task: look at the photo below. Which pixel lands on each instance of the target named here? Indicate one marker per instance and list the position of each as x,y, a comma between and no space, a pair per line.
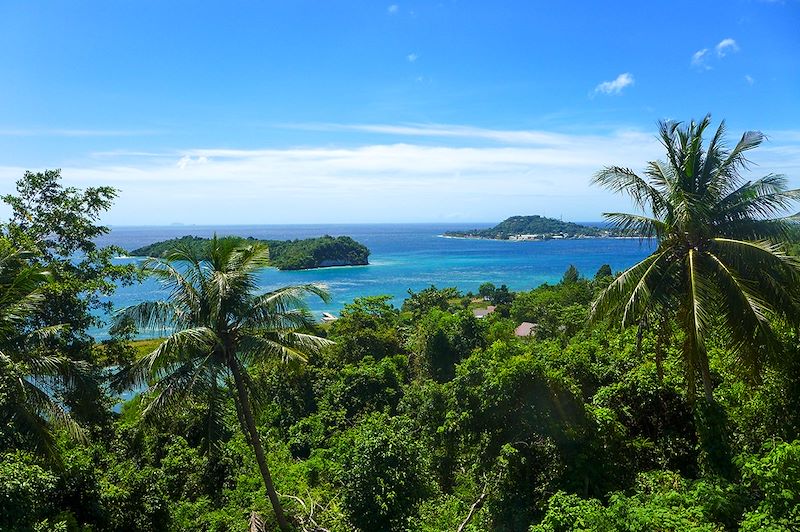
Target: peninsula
535,228
305,254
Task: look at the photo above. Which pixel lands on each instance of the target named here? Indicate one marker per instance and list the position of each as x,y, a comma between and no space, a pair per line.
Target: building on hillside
483,312
525,328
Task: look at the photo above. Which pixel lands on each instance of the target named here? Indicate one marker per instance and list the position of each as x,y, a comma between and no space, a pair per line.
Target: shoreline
609,237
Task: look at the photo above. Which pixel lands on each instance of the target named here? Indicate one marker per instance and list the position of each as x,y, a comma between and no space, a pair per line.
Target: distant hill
304,254
533,228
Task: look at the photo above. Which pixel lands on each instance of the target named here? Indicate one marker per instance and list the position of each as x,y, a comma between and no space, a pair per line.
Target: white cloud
749,79
412,58
506,136
700,58
186,161
725,46
615,86
396,181
408,176
393,9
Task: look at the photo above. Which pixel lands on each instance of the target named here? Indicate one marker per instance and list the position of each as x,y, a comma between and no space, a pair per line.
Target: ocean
403,257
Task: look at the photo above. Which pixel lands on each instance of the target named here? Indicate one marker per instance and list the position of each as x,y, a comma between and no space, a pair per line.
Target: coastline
515,241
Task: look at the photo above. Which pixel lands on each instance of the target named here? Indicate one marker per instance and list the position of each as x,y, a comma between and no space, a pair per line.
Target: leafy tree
442,340
603,272
419,303
776,475
28,370
366,327
27,492
384,474
221,327
486,290
60,225
571,275
718,254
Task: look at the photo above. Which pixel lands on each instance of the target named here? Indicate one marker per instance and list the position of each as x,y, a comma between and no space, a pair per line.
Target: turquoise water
404,256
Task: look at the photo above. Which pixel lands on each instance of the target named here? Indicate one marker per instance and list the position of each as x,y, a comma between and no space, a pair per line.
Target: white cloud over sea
406,173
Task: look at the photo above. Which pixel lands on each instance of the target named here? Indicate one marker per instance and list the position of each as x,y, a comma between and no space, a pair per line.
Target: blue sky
334,111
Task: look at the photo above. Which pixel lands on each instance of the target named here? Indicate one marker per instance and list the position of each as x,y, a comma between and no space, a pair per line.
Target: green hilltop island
524,228
306,254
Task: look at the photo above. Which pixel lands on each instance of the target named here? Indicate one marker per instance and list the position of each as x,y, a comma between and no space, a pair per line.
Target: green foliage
27,492
283,254
559,311
59,224
420,419
420,303
442,340
720,252
776,476
530,225
571,275
366,327
495,295
384,475
317,252
658,422
603,272
660,501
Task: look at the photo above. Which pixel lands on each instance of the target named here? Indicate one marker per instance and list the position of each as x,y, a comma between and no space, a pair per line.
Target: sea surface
403,257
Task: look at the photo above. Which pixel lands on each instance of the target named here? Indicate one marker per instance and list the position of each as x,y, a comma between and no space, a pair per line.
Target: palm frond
618,292
173,352
636,225
624,180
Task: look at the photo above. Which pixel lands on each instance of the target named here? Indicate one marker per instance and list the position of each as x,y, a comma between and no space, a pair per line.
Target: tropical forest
664,397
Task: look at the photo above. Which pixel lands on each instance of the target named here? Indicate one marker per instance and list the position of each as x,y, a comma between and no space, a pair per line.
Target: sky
301,111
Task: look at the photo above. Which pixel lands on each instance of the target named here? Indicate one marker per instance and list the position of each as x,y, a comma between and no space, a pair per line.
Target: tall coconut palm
220,327
28,370
719,254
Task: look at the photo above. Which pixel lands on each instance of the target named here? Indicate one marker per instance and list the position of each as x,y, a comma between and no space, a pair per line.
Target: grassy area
145,346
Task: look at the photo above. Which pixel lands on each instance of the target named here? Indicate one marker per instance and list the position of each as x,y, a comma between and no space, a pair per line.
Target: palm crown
29,370
220,327
719,248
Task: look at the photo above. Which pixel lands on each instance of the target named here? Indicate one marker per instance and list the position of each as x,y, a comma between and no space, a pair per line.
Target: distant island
535,227
303,254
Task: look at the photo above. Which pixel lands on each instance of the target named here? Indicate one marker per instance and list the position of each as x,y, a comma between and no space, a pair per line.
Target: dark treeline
628,403
283,254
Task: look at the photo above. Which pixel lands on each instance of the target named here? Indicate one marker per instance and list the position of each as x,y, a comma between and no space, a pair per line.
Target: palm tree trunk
255,442
704,370
662,338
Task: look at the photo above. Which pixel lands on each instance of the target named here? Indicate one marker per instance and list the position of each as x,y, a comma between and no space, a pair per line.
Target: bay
403,257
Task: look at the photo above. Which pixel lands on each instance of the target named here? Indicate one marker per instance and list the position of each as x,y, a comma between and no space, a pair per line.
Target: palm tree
29,371
221,326
719,254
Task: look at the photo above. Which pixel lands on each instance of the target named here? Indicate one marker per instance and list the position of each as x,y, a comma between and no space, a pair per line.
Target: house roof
525,328
483,312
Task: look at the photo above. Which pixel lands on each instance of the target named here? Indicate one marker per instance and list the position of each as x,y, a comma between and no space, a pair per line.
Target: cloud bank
462,173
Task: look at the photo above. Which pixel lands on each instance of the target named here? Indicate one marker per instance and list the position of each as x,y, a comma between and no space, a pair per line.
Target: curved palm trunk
255,442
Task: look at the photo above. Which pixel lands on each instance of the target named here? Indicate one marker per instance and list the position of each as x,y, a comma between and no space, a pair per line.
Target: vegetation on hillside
423,417
531,225
283,254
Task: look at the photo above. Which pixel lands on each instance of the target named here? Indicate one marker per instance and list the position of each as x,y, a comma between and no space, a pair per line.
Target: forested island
535,228
304,254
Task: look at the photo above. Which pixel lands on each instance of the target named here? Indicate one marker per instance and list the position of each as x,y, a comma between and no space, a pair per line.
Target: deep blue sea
404,256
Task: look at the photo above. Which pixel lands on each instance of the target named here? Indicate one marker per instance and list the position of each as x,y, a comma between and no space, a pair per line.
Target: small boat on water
327,316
